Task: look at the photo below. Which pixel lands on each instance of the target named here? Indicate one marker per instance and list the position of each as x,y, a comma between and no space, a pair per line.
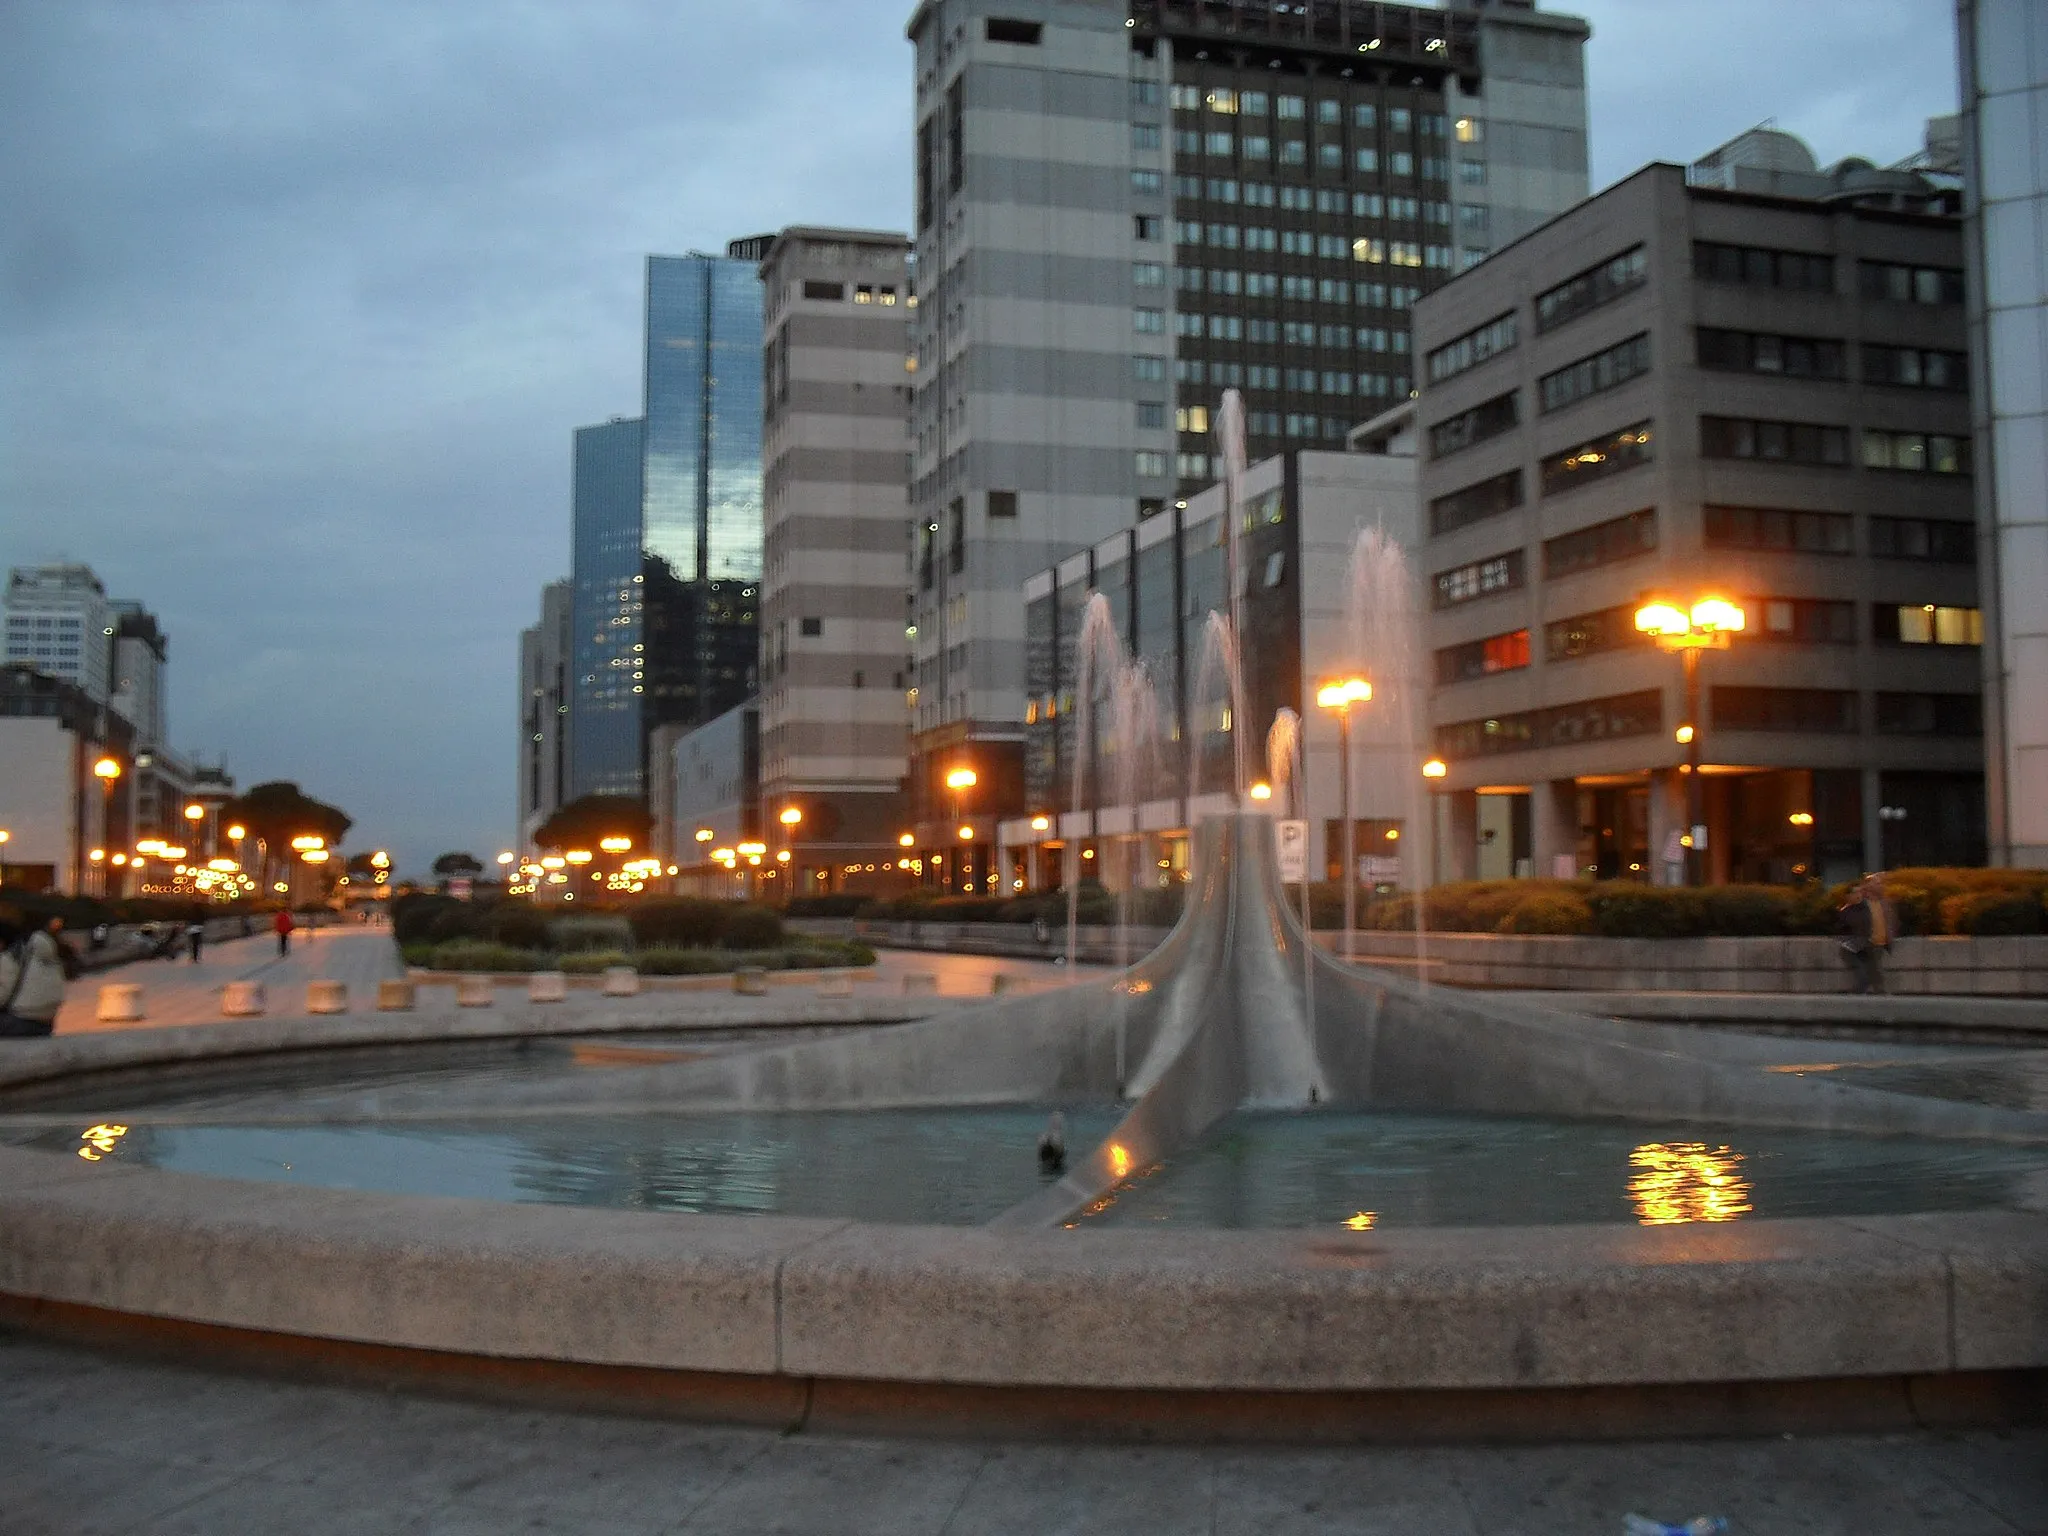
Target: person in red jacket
283,925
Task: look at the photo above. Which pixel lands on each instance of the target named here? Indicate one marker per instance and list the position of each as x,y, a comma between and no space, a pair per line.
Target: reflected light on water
1362,1221
1680,1181
99,1140
1119,1159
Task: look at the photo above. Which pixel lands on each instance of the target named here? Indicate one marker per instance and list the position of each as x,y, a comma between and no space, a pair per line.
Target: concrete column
1459,858
1873,826
1553,824
1667,816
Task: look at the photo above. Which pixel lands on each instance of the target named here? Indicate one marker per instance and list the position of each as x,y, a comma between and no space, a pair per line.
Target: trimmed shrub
518,923
1624,910
1745,910
830,954
678,922
417,954
413,915
458,920
480,955
840,904
750,927
1990,913
676,961
573,934
1549,912
590,962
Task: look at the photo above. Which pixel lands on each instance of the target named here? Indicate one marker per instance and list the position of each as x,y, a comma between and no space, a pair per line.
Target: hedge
474,955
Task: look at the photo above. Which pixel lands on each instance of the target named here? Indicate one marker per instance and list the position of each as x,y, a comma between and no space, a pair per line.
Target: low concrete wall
1096,945
1986,967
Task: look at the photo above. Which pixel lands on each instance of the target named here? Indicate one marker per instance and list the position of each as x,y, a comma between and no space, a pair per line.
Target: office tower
140,652
1122,211
60,622
2003,51
667,542
1675,391
545,660
833,648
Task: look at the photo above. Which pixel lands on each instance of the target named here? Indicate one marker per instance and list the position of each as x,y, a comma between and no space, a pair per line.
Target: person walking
195,937
282,925
32,977
1868,922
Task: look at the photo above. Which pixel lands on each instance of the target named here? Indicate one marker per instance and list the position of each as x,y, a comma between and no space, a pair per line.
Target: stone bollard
394,996
327,997
242,1000
547,987
920,984
750,981
835,984
620,981
475,991
1004,984
120,1003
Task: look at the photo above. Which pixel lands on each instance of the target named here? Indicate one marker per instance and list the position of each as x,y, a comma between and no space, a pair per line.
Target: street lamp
791,818
960,780
4,836
1340,696
1710,624
107,771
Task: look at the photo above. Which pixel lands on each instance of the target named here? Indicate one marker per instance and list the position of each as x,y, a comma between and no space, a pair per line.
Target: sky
300,302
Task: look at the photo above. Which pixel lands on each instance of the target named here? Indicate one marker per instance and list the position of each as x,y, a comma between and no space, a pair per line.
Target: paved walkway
179,992
93,1443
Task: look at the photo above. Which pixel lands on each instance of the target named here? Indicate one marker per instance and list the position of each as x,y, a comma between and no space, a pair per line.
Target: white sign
1674,847
1374,870
1292,840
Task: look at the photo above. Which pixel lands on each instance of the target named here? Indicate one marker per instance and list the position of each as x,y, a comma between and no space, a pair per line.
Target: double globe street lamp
1340,696
1710,624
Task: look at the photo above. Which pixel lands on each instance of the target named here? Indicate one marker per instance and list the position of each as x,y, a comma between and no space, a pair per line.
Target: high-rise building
140,652
546,658
60,622
1674,392
833,649
667,542
1123,210
2003,51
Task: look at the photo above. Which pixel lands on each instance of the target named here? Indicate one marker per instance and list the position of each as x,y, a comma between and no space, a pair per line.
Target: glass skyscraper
668,526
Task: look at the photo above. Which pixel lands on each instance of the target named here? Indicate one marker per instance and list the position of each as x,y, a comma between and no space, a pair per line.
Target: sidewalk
179,992
99,1443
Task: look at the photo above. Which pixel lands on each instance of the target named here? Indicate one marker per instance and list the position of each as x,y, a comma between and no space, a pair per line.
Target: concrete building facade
2003,52
545,748
60,622
1124,210
1674,391
835,573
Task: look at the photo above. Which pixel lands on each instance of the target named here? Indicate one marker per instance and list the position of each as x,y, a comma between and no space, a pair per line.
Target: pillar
1873,824
1667,821
1459,857
1553,825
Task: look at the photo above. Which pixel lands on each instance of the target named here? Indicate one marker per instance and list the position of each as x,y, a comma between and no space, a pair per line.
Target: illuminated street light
1261,791
378,860
578,855
703,834
504,858
1041,823
308,840
615,844
1435,768
961,778
750,850
106,768
906,840
1710,624
314,855
1340,695
966,833
790,817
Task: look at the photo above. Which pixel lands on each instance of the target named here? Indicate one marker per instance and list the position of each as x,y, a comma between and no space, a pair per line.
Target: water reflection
97,1141
1362,1221
1681,1181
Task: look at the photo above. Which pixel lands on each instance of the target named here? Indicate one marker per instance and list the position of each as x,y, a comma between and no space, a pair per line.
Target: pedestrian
32,976
1868,922
195,936
282,924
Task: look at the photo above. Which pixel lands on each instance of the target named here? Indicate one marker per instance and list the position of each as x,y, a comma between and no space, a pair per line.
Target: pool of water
1364,1170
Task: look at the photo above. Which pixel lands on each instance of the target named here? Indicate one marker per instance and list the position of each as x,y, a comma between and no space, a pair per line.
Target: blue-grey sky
300,301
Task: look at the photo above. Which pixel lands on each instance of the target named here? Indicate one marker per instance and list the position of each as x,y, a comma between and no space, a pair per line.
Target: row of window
1729,708
1147,138
1810,272
1472,348
1818,357
1589,376
1792,442
1228,102
1267,332
1296,199
1942,541
1265,376
1592,289
1371,250
1795,620
1488,419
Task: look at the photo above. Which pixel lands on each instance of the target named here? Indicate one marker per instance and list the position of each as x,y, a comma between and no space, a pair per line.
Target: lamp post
1710,624
791,818
196,813
4,836
108,772
1340,696
960,780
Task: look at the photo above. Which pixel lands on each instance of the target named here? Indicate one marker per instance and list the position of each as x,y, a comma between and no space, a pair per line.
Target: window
1398,119
1915,367
832,292
1778,442
1926,624
1184,98
1768,528
1795,357
1186,323
811,628
1364,115
1596,460
1151,464
1589,634
1291,107
1919,452
1259,238
1479,578
1400,163
1148,369
1222,189
1471,349
1002,503
1472,173
1223,236
1002,30
1475,503
1252,102
1293,152
1151,416
1826,710
1469,130
1257,147
1924,538
1618,538
1404,253
1481,658
1626,714
1911,285
1594,375
1147,183
1186,142
1144,93
1149,321
1758,267
1369,249
1144,136
1367,205
1223,100
1488,419
1219,143
1191,418
1148,274
1146,226
1330,157
1811,621
1590,289
1188,279
1191,466
1929,714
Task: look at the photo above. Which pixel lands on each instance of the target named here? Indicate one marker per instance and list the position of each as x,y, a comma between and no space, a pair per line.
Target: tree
457,864
588,821
279,811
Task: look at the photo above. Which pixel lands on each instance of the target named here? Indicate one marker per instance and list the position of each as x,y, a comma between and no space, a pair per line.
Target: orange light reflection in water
1362,1221
1119,1160
1680,1181
99,1140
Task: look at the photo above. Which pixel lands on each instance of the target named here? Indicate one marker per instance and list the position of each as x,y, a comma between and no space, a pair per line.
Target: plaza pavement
95,1443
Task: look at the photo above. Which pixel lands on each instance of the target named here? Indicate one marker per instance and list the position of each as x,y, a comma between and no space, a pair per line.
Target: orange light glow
1344,693
1362,1221
1435,768
1261,791
1684,1181
1119,1159
1041,823
106,768
195,813
962,778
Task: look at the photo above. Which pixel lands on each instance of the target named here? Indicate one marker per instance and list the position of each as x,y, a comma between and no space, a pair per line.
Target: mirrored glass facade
606,610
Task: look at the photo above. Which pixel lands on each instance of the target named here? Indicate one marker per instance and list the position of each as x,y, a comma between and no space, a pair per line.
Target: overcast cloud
300,302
